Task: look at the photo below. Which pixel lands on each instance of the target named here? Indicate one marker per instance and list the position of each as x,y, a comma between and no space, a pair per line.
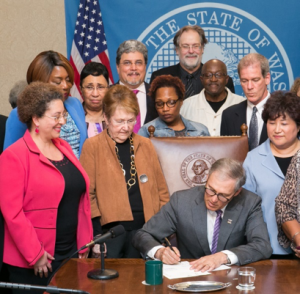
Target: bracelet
295,236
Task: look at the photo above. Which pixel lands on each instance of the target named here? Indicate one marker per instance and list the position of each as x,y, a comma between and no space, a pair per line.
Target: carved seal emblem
194,168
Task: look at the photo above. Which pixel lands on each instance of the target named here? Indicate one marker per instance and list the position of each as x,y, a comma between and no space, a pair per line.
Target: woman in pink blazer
43,192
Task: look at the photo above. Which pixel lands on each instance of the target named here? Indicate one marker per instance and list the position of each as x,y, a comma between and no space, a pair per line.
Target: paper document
221,267
182,270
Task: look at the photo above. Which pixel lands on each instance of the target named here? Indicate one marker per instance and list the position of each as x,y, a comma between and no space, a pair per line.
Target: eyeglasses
186,47
122,122
137,63
221,197
217,75
91,89
170,103
57,118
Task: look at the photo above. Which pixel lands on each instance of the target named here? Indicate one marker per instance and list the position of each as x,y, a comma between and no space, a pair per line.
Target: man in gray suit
221,223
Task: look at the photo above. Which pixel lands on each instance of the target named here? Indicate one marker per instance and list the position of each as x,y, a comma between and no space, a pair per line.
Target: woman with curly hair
44,198
168,94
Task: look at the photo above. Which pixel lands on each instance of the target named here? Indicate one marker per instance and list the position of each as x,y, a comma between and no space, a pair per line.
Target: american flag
89,42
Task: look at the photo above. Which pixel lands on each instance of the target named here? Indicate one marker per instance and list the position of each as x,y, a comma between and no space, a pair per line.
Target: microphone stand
102,273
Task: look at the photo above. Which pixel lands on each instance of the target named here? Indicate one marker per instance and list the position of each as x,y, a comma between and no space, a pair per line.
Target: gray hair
132,46
253,58
230,168
15,92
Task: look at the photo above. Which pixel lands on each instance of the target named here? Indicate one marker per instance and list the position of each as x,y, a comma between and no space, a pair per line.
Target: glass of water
246,278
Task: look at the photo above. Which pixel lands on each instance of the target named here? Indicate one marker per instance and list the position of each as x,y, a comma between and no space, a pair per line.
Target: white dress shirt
142,100
196,108
260,108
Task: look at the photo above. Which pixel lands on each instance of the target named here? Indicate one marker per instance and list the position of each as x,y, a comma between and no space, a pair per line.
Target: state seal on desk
194,168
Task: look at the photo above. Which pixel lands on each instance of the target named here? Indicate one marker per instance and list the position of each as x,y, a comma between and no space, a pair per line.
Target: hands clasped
96,253
84,254
42,266
297,251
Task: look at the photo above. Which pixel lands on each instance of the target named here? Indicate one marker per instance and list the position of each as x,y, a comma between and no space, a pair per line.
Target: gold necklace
132,179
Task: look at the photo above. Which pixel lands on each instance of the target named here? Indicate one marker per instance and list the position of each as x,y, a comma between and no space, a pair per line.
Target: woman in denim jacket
168,94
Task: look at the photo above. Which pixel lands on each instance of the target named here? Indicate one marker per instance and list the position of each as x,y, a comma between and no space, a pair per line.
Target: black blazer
174,71
232,119
2,131
151,113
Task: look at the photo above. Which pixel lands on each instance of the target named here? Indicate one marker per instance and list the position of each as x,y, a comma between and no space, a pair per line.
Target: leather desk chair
185,161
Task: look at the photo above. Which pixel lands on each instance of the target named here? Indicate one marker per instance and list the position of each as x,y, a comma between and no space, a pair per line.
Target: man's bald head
216,63
214,79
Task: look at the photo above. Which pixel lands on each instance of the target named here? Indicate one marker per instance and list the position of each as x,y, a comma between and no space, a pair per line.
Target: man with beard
132,57
208,106
189,44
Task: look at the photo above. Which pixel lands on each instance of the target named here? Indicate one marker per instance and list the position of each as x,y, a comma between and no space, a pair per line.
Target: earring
37,129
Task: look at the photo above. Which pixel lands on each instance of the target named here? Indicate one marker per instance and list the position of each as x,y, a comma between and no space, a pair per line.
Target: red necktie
137,126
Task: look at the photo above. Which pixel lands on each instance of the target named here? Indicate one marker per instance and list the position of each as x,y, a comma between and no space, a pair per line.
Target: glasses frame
137,63
166,103
187,47
57,118
214,74
92,89
226,200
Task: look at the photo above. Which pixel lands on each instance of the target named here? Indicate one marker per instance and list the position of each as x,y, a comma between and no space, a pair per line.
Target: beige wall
27,27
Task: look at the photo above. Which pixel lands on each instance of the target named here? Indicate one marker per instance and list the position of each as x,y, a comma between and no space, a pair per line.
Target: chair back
185,161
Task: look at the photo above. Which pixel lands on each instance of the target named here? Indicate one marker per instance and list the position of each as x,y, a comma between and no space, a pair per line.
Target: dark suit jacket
246,234
174,71
151,113
2,131
232,119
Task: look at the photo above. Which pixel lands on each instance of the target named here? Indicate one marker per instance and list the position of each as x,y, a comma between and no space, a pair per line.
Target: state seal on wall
232,33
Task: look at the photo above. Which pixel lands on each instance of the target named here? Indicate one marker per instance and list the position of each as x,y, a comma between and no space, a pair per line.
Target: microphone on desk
105,274
112,233
102,273
49,289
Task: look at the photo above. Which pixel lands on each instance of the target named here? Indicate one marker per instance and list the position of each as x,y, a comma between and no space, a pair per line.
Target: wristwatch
228,259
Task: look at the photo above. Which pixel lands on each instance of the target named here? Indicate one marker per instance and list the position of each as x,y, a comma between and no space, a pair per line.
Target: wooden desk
272,276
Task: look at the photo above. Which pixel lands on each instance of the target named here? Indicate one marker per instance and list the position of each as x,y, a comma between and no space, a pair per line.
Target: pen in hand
169,245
